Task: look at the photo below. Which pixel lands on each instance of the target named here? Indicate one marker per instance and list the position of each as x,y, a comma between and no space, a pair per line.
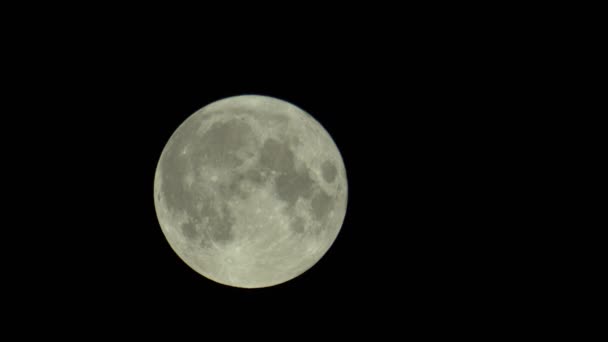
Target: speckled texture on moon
250,191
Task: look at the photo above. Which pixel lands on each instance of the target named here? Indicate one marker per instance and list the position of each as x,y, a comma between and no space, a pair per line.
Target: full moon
250,191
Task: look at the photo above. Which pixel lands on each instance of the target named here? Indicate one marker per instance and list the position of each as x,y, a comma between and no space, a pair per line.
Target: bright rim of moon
250,191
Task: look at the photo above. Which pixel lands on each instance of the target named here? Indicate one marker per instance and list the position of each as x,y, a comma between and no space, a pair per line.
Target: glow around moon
250,191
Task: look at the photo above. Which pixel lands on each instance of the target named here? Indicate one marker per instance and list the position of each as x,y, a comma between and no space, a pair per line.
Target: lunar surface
250,191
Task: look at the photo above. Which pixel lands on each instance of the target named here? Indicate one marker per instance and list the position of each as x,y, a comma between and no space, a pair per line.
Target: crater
321,205
328,171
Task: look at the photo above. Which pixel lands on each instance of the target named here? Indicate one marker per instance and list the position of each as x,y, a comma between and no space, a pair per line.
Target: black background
416,112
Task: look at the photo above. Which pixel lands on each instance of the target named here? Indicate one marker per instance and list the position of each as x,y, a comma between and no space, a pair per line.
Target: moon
250,191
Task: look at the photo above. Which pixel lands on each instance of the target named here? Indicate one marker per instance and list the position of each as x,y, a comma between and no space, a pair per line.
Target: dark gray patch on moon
255,176
276,156
220,144
290,186
328,170
241,184
174,166
321,204
218,223
275,118
189,230
173,188
298,225
233,188
205,241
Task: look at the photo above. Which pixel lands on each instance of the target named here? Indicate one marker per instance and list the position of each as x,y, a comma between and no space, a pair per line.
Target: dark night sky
410,117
